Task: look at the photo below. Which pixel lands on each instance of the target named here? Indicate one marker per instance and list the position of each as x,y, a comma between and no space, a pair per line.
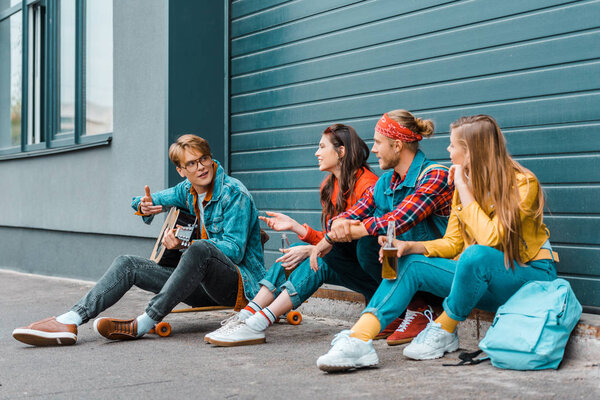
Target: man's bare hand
341,230
146,206
170,241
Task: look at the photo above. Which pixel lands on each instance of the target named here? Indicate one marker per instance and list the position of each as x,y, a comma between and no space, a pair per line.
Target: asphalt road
183,366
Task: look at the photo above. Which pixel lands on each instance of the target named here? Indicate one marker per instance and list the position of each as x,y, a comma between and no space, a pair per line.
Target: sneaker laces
124,327
410,315
424,335
233,326
343,336
229,319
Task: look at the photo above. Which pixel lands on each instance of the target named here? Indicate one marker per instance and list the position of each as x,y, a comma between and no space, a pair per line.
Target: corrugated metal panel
297,66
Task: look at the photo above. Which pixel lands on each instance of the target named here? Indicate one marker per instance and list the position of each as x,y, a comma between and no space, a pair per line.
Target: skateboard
163,328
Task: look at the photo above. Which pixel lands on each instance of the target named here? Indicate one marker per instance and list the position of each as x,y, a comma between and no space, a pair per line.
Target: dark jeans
357,261
203,277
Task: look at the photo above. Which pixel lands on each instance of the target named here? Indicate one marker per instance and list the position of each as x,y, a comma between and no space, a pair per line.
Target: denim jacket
231,222
386,200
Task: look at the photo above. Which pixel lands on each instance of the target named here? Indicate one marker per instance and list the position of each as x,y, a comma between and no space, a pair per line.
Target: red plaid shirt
433,196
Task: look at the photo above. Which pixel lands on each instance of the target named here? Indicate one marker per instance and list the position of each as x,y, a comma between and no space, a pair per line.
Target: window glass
35,70
10,80
67,66
98,67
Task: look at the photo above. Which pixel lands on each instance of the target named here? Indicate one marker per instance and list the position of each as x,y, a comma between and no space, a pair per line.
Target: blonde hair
423,127
493,179
187,142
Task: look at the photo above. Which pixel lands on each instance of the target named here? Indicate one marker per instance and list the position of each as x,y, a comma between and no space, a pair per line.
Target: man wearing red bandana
414,193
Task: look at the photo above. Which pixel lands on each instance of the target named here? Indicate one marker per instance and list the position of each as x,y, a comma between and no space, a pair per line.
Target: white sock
248,311
144,324
261,320
70,317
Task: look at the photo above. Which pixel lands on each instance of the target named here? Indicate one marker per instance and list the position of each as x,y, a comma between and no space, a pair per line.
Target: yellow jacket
475,224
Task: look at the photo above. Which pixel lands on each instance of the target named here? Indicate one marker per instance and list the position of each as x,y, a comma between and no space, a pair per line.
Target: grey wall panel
534,65
90,191
286,13
241,8
495,61
402,26
498,32
57,253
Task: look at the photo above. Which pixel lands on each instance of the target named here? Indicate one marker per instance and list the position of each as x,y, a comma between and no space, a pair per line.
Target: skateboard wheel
294,317
163,329
152,331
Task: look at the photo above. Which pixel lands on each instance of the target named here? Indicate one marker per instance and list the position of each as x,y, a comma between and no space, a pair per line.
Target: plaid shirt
433,196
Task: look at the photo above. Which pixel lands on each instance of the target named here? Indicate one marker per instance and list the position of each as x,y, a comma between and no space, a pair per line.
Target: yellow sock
366,327
448,324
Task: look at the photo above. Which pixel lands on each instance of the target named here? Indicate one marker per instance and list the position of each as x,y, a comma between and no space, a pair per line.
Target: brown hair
423,127
184,142
493,178
353,160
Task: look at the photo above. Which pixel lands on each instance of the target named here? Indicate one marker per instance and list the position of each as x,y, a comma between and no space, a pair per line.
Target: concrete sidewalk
183,366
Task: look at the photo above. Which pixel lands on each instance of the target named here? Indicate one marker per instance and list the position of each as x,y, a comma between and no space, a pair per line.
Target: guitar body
160,254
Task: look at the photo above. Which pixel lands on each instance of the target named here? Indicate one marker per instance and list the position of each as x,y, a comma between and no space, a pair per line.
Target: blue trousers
357,268
204,277
478,279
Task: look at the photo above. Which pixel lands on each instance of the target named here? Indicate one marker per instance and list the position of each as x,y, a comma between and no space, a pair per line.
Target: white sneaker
432,342
237,334
348,353
225,324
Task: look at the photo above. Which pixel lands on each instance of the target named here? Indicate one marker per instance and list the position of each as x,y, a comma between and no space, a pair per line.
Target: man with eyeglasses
223,267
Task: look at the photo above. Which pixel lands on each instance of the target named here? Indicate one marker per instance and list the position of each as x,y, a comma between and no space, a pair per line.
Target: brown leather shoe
116,329
47,332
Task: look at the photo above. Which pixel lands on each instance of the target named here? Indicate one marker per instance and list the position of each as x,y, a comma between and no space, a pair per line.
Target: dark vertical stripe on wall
297,66
196,70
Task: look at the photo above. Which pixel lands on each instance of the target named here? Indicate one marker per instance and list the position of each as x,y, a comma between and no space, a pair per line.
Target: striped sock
248,311
261,320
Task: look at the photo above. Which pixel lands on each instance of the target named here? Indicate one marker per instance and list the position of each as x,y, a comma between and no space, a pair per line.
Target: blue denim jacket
231,222
386,200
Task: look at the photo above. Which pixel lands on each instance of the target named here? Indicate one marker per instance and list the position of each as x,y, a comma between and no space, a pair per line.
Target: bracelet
328,239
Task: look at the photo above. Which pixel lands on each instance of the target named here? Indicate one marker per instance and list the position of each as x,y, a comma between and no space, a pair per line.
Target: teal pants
478,279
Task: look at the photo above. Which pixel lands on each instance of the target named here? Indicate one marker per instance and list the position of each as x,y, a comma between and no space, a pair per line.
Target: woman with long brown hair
495,242
344,155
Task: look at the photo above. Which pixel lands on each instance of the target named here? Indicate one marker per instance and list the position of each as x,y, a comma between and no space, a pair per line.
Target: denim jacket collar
410,180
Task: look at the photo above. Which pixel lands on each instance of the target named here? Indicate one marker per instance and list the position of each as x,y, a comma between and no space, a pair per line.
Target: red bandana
392,129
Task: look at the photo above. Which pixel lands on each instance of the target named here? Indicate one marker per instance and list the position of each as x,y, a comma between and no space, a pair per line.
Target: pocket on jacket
215,226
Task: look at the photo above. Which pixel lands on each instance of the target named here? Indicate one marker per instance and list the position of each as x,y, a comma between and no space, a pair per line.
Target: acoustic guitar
186,231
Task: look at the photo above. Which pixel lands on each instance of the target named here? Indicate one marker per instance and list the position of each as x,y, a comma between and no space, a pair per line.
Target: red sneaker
414,322
391,328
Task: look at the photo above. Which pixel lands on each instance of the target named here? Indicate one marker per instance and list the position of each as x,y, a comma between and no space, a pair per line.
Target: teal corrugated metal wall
297,66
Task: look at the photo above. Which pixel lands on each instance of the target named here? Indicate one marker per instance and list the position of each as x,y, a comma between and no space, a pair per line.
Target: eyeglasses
192,166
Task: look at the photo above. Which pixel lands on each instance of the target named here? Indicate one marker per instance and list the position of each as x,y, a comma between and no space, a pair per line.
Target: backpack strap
429,168
468,359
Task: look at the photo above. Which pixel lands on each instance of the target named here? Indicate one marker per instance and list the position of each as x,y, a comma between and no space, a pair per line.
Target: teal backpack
531,330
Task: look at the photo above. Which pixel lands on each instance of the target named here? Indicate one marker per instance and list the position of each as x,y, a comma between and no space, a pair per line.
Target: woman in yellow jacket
495,242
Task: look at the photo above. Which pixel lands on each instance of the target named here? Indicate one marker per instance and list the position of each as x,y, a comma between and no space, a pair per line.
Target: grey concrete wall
90,190
46,199
57,253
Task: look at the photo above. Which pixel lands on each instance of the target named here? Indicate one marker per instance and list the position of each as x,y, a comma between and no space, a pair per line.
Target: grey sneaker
348,353
432,342
225,324
237,334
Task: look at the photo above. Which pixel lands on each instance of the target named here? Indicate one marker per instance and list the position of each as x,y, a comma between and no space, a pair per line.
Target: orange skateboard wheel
163,329
294,317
